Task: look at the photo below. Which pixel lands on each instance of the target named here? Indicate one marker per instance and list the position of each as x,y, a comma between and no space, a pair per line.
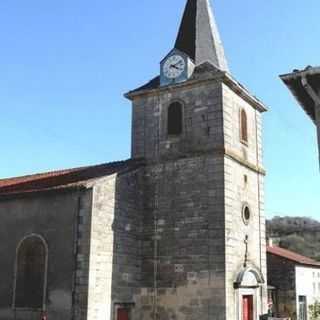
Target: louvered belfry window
30,274
175,121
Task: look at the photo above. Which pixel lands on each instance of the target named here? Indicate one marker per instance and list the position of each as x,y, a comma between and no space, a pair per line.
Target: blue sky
65,64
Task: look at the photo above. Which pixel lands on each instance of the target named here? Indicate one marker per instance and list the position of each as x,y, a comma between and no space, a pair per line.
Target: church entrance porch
248,294
248,303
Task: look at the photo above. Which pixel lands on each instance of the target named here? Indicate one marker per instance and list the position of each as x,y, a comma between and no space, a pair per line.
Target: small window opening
30,274
175,122
243,126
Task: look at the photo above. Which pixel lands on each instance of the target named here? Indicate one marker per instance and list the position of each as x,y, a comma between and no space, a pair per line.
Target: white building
295,283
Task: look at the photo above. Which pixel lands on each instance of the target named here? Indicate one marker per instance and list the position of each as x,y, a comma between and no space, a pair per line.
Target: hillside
299,234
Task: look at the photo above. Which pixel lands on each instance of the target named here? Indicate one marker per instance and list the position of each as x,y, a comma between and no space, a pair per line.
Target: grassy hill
299,234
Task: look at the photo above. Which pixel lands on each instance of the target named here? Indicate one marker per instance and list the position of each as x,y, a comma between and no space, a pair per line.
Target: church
176,232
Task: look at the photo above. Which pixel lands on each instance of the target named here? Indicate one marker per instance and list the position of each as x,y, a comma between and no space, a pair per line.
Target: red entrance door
122,314
247,308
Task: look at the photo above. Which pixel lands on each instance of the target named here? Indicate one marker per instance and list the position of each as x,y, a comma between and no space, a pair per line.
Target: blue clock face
174,67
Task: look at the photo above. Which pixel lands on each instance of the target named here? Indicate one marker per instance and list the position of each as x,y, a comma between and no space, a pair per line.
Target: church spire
199,37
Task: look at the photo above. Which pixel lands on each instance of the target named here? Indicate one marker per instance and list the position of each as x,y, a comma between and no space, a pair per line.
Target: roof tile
292,256
53,179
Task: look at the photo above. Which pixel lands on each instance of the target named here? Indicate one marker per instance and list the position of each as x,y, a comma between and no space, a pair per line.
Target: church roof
292,256
294,83
62,178
199,37
152,84
206,68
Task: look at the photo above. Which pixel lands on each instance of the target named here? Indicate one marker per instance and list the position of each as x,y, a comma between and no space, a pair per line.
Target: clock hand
179,62
174,66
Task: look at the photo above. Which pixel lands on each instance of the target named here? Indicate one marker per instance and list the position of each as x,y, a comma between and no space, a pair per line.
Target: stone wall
183,246
281,275
114,258
183,226
232,105
50,215
244,186
202,122
195,189
82,254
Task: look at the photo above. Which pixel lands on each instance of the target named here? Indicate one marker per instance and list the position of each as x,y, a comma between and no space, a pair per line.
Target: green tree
314,311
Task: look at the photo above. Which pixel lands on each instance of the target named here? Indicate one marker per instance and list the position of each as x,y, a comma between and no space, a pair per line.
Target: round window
246,214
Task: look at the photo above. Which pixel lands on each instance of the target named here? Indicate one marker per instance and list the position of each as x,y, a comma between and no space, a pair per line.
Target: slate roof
293,82
292,256
204,71
197,73
199,37
152,84
60,178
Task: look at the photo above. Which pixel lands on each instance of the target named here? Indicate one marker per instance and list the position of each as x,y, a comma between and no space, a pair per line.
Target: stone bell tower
199,131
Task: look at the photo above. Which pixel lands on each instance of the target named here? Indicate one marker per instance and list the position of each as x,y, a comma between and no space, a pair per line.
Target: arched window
175,122
31,273
243,126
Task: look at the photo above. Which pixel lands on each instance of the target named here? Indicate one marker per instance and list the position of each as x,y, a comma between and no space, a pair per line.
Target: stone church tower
199,131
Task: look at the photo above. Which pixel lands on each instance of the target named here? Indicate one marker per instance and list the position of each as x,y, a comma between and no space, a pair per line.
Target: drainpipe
310,90
316,98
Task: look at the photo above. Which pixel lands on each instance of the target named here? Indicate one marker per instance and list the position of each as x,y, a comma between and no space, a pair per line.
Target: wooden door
122,314
247,307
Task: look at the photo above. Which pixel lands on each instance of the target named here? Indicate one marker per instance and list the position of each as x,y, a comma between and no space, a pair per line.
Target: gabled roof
155,82
199,37
292,256
294,83
60,178
152,84
197,73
